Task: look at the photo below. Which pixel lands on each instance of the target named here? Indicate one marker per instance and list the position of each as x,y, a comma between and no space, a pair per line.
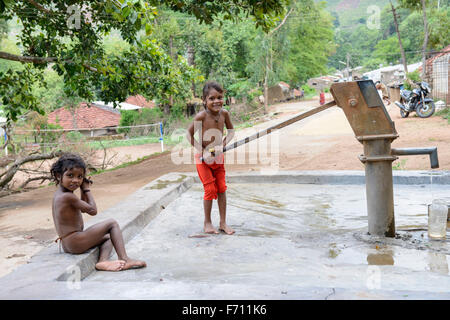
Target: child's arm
88,206
230,128
86,197
86,185
195,125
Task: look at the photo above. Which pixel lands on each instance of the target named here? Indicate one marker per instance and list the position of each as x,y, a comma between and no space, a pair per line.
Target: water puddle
385,258
161,184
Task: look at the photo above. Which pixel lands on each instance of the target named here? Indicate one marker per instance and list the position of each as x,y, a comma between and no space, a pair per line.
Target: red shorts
212,176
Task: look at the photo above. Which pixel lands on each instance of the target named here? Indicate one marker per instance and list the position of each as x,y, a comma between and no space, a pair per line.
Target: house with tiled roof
435,57
92,119
284,84
140,101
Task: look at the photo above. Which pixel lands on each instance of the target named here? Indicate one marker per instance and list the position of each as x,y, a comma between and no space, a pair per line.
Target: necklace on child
216,119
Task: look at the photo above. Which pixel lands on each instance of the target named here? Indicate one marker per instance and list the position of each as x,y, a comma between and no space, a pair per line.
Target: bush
177,110
240,90
254,94
49,136
74,136
444,113
308,90
143,116
413,77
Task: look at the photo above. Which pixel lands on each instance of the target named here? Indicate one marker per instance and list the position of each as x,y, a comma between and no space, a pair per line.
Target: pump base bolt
353,102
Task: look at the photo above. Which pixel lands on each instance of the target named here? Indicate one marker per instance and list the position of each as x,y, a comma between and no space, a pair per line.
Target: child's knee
111,223
221,184
221,188
210,191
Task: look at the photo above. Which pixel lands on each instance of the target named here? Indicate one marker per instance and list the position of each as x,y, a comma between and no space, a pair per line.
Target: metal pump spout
432,151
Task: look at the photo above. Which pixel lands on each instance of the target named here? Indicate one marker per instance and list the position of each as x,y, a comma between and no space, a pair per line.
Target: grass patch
246,124
444,113
399,165
130,142
310,96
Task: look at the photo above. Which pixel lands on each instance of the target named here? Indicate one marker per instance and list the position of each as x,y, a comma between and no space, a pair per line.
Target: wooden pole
402,51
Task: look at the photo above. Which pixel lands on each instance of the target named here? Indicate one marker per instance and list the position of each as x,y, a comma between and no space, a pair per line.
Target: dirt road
322,142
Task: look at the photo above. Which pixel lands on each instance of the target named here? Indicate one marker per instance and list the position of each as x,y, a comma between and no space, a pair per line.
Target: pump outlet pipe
432,151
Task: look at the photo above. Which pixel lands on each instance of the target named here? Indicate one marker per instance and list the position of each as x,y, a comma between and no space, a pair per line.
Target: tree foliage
306,44
372,47
68,37
234,53
264,14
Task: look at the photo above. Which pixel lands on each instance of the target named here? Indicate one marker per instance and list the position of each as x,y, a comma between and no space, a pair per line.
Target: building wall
98,132
440,79
394,94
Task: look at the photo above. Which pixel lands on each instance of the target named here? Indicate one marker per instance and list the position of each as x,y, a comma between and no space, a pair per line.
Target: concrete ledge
338,177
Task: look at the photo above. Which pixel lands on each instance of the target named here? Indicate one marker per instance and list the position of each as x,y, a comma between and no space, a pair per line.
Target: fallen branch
39,7
43,178
9,174
39,60
5,161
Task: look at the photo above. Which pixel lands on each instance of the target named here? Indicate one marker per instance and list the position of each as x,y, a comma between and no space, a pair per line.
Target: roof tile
84,117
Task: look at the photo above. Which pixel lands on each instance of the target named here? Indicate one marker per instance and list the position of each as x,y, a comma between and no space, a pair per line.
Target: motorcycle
416,100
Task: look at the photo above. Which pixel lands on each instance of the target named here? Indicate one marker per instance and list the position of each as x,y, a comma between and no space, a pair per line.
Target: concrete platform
299,235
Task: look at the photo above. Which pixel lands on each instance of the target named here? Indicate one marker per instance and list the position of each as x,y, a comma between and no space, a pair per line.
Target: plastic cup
437,219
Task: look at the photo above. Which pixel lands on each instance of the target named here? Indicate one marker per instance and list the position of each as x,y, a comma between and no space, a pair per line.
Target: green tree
68,36
264,13
309,44
420,5
439,28
387,50
412,32
301,48
220,51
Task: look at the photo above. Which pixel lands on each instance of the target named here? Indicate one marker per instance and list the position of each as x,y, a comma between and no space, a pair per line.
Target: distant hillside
351,12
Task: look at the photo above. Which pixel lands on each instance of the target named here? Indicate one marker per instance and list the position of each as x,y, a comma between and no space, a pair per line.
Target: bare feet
134,264
209,228
225,228
116,265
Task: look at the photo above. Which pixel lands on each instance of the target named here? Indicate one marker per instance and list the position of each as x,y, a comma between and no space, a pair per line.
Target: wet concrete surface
289,238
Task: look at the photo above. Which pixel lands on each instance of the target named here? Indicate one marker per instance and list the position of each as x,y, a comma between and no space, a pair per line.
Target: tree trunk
425,40
402,51
166,108
266,89
269,61
171,55
171,46
191,62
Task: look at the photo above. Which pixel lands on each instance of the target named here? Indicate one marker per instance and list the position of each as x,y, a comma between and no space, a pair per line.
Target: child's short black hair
65,162
211,85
